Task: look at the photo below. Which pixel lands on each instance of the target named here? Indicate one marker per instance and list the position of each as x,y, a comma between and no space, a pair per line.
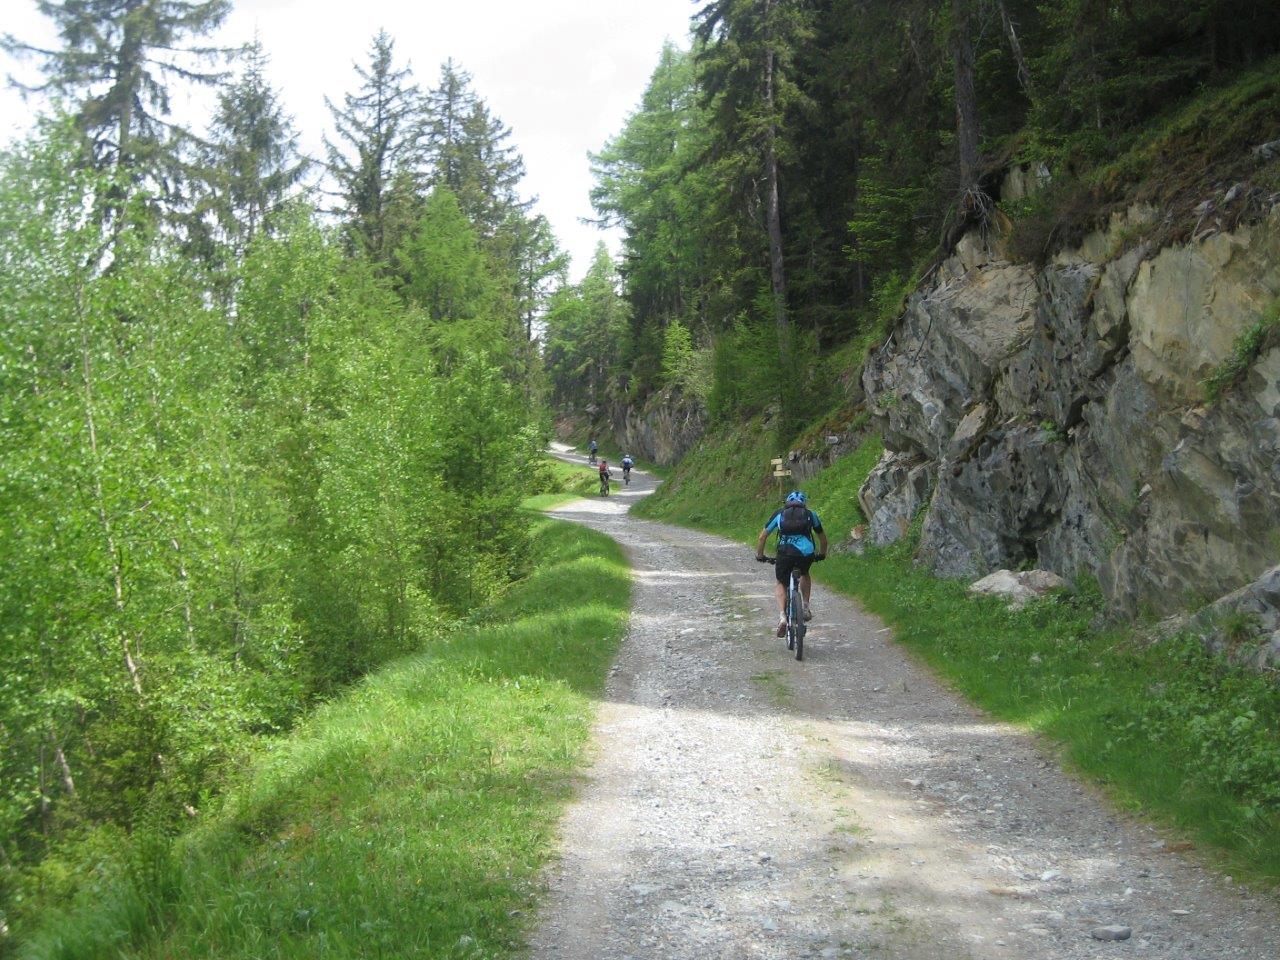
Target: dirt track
744,805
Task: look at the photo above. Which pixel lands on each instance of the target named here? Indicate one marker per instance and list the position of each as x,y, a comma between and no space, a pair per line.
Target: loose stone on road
741,804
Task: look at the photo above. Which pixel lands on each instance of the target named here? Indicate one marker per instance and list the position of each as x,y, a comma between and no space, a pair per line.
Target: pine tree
251,164
377,141
490,192
448,274
116,63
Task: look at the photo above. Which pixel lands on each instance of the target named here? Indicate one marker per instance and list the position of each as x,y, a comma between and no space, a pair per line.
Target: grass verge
558,482
407,819
1167,729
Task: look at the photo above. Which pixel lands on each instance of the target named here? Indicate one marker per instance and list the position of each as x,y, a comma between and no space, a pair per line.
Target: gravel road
743,805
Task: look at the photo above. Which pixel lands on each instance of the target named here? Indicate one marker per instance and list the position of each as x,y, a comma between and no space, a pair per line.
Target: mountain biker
627,464
795,525
605,475
592,447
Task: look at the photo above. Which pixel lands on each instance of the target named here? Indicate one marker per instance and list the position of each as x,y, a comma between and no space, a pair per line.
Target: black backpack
795,521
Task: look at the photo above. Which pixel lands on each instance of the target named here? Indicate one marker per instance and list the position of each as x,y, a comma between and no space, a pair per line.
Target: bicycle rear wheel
795,616
791,621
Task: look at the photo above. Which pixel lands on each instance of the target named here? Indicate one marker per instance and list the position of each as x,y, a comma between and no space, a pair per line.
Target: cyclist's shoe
782,629
808,613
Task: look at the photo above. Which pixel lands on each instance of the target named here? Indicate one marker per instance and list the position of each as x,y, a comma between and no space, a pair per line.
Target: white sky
563,74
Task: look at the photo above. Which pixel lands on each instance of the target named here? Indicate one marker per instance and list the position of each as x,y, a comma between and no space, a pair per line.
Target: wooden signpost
780,472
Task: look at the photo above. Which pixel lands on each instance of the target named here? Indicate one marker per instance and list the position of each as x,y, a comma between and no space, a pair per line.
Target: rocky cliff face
1058,417
661,431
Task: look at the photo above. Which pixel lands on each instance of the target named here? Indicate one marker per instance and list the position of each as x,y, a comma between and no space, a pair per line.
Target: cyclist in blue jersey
795,524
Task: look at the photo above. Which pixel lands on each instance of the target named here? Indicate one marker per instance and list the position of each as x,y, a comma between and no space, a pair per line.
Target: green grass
407,819
1250,345
606,448
1175,161
1202,140
726,485
1167,729
558,483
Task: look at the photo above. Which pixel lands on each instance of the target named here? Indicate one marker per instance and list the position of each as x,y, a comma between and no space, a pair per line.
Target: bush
1249,346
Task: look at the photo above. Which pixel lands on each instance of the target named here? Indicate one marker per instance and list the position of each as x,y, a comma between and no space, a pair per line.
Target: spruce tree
377,140
749,47
115,66
446,108
968,129
251,164
467,150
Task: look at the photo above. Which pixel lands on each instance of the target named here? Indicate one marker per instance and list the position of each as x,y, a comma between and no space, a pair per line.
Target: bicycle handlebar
774,560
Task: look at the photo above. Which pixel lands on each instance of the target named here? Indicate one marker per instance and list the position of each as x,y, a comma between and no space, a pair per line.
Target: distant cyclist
605,476
592,447
795,524
627,464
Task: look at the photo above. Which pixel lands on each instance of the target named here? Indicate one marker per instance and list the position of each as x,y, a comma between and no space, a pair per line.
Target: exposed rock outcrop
661,431
1058,417
1245,624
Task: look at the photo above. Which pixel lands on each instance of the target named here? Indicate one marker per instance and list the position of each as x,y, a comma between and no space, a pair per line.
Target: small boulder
857,542
1267,151
1019,587
1112,932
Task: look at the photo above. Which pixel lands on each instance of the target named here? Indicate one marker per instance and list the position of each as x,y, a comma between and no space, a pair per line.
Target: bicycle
796,628
604,484
626,476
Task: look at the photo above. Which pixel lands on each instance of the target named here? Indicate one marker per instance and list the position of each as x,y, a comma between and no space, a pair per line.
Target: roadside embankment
1167,728
410,817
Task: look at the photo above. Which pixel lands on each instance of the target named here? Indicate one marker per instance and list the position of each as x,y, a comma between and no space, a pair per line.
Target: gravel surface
742,804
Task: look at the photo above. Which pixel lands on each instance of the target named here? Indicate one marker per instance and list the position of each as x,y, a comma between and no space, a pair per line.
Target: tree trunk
185,582
1015,45
64,768
967,132
104,519
777,272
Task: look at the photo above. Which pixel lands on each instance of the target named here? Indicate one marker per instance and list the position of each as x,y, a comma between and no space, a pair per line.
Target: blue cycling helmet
795,496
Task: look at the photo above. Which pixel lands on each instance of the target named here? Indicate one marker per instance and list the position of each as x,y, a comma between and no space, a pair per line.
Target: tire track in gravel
743,805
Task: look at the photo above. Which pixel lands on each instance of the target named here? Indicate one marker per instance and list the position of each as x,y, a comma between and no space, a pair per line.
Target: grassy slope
407,819
565,482
1168,730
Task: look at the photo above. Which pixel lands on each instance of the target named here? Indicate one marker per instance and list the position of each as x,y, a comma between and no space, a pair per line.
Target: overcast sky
562,73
